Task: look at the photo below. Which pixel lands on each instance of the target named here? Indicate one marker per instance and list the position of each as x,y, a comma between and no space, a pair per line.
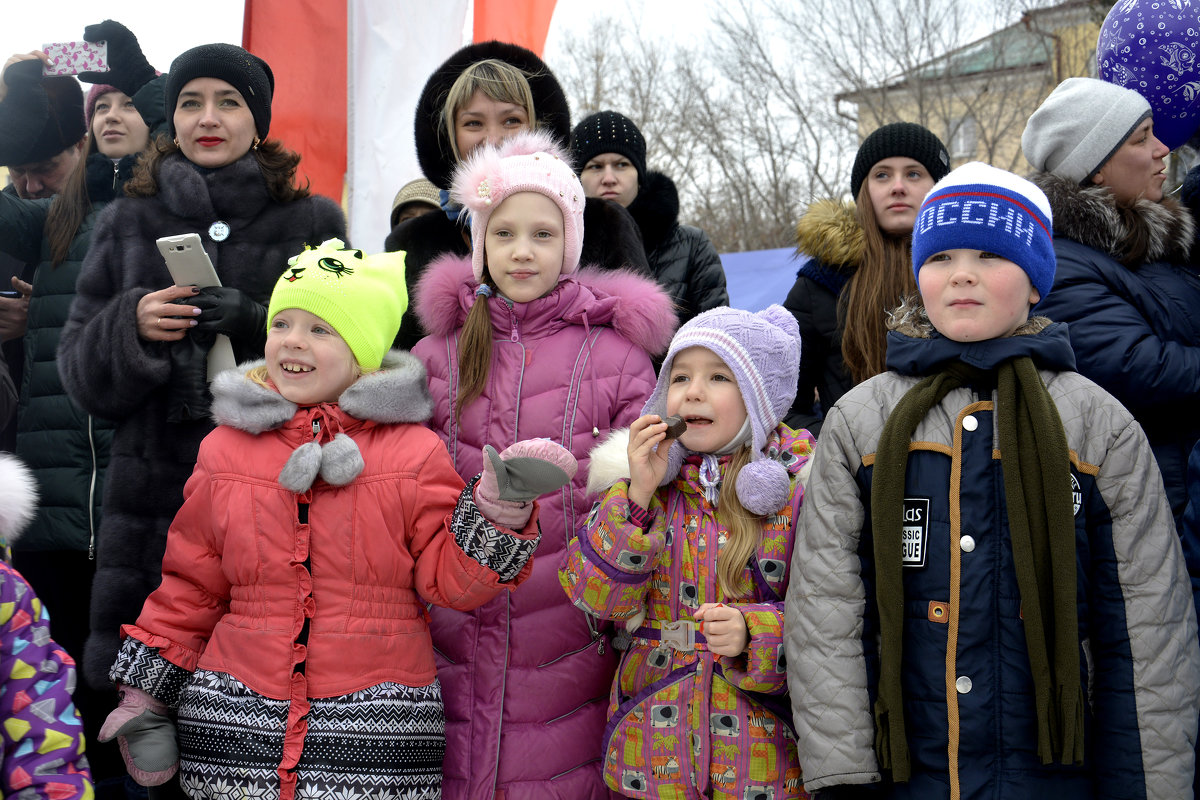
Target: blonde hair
499,81
883,278
745,530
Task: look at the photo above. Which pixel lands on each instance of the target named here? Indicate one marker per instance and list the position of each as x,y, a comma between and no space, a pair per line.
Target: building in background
979,96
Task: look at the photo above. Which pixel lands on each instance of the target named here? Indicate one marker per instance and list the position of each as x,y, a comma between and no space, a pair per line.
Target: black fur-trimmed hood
830,232
1147,232
655,209
433,150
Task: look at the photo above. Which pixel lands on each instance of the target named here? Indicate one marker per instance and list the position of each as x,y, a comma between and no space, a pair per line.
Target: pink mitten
145,735
512,479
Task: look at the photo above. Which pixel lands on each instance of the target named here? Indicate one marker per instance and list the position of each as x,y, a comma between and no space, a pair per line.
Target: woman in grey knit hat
1123,283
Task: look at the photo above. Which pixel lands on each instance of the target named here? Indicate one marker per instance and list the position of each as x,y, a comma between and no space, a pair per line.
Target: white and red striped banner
347,77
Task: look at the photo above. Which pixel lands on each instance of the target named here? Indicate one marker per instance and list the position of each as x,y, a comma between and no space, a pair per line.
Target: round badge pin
218,231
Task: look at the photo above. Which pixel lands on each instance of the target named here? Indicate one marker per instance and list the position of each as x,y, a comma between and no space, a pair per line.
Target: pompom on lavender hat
532,161
763,351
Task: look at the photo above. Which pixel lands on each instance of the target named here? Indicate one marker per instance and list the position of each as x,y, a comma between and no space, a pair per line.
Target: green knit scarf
1037,486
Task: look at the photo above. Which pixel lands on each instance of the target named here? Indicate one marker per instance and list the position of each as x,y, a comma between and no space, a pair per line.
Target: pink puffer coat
526,677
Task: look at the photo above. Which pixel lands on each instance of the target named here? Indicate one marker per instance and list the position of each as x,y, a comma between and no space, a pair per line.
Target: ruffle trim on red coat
297,720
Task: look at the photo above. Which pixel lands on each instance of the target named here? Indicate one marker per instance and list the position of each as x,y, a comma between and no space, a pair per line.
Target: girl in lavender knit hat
689,546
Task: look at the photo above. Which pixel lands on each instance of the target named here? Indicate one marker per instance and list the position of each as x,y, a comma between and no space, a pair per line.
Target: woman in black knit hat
486,92
860,265
134,346
610,159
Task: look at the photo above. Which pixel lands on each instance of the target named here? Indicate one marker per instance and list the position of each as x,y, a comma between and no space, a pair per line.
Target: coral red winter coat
526,676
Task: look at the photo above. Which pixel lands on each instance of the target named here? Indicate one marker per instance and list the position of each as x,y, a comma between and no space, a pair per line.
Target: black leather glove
187,393
224,309
128,69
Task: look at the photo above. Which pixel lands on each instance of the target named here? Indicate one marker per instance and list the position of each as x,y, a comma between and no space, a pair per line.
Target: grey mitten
146,737
513,479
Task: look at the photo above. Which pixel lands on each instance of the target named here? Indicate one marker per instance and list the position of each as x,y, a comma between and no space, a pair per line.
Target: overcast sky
27,25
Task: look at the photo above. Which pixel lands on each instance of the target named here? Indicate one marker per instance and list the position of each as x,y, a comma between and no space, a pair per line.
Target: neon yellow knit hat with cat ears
362,297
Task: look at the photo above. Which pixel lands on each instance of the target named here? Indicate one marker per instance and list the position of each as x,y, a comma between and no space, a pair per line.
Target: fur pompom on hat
363,297
532,161
18,497
763,351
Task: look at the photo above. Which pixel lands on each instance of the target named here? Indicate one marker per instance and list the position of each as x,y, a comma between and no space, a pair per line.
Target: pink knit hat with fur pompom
531,161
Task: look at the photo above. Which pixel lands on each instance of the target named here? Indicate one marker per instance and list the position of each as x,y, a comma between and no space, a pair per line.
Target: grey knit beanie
1076,130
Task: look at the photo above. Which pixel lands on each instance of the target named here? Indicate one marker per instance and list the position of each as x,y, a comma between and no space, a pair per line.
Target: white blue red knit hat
763,351
531,161
979,207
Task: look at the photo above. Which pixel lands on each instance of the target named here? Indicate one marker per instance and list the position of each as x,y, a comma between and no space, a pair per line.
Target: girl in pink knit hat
525,342
690,548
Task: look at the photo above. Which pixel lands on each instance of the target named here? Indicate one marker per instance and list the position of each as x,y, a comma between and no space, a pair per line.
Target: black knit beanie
40,117
244,71
608,132
904,140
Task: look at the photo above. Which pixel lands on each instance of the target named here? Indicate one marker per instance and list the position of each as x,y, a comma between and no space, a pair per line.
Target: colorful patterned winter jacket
320,593
966,680
526,675
43,735
682,721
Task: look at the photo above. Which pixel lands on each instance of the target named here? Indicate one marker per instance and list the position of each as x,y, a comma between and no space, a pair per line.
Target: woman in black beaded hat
610,158
486,92
134,347
860,265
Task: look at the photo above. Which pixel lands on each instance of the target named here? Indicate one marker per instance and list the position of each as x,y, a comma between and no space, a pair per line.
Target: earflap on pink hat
531,161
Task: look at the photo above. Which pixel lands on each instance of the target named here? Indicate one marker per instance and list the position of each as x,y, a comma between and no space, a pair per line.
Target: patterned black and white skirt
384,742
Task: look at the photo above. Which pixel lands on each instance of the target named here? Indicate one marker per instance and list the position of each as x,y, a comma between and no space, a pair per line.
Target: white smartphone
189,266
72,58
186,260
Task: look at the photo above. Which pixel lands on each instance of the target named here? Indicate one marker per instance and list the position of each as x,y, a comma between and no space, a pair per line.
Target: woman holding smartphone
65,447
134,347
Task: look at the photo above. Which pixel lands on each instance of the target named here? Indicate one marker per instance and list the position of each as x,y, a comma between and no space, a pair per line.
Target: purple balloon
1150,46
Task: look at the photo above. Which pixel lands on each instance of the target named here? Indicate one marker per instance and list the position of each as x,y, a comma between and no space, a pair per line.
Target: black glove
128,69
187,392
224,309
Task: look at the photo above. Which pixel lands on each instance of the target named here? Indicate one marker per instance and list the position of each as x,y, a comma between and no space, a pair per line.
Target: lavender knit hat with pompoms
763,351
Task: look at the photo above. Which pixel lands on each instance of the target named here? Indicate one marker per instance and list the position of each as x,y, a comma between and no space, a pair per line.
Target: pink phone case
72,58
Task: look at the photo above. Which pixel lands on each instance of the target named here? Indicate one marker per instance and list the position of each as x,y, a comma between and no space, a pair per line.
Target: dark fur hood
1147,232
655,209
433,150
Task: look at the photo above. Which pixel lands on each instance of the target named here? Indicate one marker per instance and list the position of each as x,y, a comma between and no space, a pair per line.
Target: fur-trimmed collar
633,305
829,232
1147,232
914,347
608,462
396,392
655,209
235,192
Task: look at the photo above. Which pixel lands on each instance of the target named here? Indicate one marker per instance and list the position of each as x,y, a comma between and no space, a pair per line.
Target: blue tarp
758,278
